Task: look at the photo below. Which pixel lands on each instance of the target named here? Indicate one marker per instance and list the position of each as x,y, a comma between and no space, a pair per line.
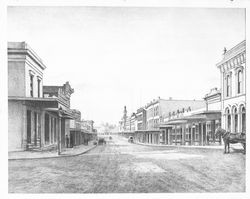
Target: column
232,122
59,136
50,129
191,139
38,138
206,142
239,129
175,135
183,134
32,133
166,136
24,127
168,132
202,140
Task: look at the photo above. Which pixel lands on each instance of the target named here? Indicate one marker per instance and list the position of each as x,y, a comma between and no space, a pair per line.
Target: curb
61,156
174,146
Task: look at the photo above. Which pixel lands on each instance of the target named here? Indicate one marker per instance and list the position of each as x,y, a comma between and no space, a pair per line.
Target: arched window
243,119
228,120
239,81
235,120
227,85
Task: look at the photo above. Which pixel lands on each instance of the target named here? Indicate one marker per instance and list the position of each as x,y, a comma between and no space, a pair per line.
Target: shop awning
65,114
198,117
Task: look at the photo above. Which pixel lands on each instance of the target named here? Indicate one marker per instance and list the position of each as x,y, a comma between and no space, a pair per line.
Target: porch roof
65,114
40,99
198,117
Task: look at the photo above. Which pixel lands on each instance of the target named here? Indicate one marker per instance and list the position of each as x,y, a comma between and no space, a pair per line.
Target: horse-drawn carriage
101,141
231,138
131,139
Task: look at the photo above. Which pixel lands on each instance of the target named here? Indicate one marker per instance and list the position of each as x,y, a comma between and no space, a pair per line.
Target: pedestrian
208,139
67,141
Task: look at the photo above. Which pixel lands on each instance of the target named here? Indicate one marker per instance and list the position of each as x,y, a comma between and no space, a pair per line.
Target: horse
231,138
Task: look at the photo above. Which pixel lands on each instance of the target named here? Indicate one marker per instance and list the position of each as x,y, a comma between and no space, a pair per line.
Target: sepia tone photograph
116,99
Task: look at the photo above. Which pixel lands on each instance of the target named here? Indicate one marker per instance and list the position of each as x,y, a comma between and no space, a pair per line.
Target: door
204,134
28,123
193,135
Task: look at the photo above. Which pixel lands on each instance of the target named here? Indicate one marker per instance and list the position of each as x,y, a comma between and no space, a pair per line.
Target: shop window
235,118
243,119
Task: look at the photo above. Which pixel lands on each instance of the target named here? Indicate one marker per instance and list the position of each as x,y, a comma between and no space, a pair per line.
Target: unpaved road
121,167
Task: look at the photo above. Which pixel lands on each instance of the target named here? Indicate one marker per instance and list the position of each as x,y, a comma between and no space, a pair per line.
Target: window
227,85
31,85
188,133
38,87
209,131
243,119
239,82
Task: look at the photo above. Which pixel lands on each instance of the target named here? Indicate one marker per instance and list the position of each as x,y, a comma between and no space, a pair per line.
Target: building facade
233,88
35,122
141,119
194,127
87,127
62,94
76,136
157,111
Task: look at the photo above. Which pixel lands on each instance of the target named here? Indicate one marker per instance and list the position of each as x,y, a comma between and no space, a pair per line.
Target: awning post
59,144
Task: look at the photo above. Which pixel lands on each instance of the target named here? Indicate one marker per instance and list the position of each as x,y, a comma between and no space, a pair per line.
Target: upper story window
31,85
228,86
239,81
38,87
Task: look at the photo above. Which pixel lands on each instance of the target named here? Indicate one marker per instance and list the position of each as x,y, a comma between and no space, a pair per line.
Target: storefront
197,129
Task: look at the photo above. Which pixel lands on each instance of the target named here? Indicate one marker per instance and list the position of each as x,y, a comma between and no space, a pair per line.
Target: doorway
46,129
28,123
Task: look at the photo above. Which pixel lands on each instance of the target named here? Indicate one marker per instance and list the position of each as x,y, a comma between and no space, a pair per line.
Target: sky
128,56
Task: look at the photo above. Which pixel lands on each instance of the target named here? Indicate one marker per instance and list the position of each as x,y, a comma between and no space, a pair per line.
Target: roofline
26,49
237,51
158,100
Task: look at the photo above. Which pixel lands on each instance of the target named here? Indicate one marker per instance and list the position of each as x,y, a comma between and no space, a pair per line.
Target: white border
114,3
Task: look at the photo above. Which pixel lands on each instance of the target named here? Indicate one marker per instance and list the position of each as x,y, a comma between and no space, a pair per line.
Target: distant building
35,122
141,119
133,122
87,126
76,136
194,127
233,88
158,109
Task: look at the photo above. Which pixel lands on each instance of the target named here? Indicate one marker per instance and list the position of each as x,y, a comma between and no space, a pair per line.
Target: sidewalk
237,146
184,146
67,152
